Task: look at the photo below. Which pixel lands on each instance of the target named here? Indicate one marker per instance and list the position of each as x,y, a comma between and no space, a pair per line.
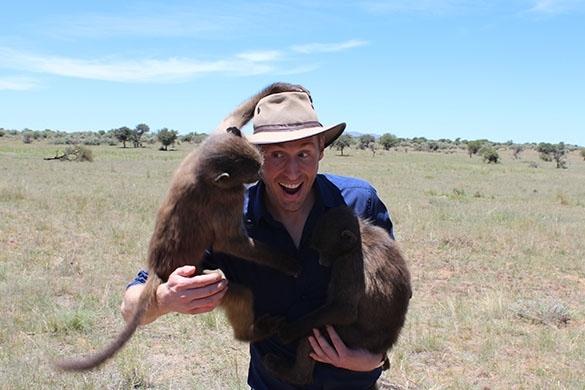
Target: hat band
286,126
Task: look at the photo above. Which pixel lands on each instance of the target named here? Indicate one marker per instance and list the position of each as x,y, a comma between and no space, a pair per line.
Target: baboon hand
289,333
267,325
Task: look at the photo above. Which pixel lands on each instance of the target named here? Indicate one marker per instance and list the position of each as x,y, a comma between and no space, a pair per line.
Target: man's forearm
131,298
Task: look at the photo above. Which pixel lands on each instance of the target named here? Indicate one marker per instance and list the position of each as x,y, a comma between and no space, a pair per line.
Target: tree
489,154
193,137
137,134
344,141
473,147
388,141
557,152
365,140
123,134
516,150
166,137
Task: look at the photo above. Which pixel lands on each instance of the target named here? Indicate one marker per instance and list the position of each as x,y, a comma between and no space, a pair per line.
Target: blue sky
501,70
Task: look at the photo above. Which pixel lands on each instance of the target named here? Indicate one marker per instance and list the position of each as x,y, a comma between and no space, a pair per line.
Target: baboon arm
329,314
257,252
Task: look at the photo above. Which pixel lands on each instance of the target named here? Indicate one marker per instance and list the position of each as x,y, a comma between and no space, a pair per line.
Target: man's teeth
291,186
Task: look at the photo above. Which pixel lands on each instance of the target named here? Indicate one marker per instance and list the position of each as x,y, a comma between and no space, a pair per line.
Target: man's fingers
214,291
199,281
186,270
327,349
317,351
338,344
204,305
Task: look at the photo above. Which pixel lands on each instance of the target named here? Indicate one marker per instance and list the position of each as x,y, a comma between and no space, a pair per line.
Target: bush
473,147
344,141
388,141
490,155
2,132
583,153
166,137
74,153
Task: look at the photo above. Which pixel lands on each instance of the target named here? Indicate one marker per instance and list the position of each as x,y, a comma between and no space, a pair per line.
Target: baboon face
336,233
236,162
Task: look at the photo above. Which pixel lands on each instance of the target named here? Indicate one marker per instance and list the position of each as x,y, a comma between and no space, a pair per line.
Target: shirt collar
327,196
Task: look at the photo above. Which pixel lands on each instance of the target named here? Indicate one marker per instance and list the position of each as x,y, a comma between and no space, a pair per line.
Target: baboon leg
325,315
257,252
300,373
238,303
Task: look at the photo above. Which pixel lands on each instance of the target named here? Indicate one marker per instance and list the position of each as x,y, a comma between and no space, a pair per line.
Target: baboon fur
202,210
367,296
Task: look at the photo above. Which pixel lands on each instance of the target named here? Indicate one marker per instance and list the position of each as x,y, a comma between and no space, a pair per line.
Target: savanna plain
496,252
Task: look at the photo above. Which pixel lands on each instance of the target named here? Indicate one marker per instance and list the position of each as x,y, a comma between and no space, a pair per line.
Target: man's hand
338,355
184,292
188,294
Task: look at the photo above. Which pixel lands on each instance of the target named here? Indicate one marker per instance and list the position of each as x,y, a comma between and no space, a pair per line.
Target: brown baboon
203,209
367,296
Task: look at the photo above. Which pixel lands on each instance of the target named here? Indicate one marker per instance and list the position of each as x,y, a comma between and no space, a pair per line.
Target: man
281,211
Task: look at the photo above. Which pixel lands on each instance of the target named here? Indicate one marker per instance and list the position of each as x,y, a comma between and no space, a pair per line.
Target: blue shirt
278,294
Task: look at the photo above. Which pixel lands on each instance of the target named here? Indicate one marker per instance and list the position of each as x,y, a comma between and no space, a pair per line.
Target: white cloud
260,56
410,6
17,84
557,6
150,21
145,70
327,47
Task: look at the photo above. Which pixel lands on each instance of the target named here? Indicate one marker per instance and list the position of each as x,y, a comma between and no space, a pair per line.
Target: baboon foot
266,326
284,371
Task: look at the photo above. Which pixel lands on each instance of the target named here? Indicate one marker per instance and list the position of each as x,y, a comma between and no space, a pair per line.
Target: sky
499,70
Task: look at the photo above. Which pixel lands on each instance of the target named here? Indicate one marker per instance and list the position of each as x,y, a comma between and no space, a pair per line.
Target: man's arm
332,350
184,292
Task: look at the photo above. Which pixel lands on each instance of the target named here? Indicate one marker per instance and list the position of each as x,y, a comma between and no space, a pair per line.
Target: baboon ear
234,130
222,177
349,236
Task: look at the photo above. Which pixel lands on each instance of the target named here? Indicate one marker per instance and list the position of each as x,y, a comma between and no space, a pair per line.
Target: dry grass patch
496,254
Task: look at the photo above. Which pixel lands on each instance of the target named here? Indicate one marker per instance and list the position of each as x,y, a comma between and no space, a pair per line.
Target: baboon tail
96,359
245,111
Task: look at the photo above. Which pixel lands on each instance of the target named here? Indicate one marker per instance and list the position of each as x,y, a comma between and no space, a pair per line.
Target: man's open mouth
291,189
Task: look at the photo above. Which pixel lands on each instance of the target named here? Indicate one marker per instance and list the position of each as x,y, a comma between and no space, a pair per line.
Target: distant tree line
137,136
141,135
484,148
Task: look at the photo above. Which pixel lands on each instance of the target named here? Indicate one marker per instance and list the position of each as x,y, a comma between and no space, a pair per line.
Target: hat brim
331,133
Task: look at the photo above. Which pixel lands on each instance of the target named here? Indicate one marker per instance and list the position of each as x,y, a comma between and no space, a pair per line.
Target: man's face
289,171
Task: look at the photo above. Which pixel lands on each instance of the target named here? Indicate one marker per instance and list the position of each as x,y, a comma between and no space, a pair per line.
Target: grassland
497,255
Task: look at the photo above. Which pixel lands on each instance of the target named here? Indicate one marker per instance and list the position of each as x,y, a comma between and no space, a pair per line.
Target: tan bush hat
289,116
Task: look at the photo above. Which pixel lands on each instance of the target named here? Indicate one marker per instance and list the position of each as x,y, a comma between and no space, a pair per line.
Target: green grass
496,254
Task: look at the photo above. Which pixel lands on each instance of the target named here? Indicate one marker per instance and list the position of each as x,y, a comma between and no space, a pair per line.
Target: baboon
203,209
367,296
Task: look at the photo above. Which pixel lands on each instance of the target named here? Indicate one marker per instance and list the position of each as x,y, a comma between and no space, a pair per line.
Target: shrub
166,137
388,141
473,147
583,153
74,153
558,152
365,140
490,155
344,141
